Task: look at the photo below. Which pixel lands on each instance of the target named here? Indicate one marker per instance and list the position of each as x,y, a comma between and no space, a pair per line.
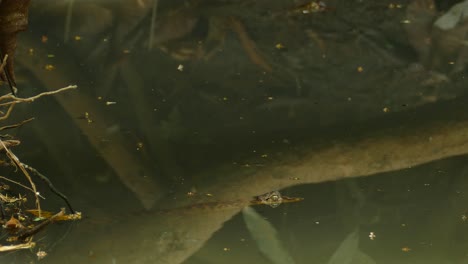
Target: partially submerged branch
404,141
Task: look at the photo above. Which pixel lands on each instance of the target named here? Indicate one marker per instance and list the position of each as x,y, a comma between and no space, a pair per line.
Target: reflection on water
187,110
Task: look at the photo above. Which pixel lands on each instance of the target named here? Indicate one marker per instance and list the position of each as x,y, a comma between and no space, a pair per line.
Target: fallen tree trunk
401,141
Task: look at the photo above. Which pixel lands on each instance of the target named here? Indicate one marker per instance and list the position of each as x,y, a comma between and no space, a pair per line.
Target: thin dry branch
2,66
17,124
26,245
19,184
17,162
31,99
7,114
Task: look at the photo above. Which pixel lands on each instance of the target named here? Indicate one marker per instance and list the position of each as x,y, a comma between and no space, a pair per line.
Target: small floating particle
41,254
386,109
270,98
180,67
50,56
372,235
226,249
77,38
49,67
44,39
31,51
360,69
139,145
209,195
406,249
280,46
126,51
406,21
110,103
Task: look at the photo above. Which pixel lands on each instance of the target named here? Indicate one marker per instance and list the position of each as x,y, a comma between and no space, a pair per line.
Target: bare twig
10,108
30,232
4,62
15,160
17,124
31,99
51,186
10,143
19,184
26,245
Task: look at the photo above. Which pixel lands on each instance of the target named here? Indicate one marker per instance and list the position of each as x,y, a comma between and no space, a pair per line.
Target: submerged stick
68,20
30,232
153,24
51,186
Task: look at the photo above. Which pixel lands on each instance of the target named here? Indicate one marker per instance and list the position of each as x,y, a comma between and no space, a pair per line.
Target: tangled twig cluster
20,223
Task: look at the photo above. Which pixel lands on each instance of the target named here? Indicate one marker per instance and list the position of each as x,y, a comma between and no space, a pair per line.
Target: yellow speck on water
31,51
226,249
50,56
49,67
110,103
77,38
139,145
225,98
386,109
209,195
360,69
280,46
180,67
270,98
406,249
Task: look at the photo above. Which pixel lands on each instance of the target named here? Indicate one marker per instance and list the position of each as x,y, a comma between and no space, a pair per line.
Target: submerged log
399,141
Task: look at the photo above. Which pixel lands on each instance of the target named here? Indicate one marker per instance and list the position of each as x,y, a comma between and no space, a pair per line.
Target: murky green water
186,111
